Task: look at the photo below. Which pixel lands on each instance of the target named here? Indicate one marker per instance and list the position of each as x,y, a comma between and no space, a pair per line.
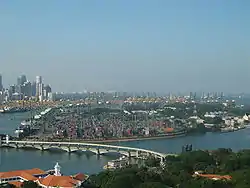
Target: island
102,123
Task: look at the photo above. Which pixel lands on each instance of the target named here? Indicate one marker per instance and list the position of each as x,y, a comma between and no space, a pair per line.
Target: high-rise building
46,90
26,89
18,82
1,83
33,89
38,79
51,96
40,90
38,86
1,97
23,79
18,88
11,91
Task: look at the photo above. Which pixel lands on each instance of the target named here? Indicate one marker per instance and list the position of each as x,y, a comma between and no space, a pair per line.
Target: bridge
98,149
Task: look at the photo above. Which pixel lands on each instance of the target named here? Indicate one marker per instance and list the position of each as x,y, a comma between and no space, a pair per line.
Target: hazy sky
129,45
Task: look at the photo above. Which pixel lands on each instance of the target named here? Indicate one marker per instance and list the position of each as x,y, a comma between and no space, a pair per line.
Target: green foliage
30,184
152,185
152,162
7,185
179,170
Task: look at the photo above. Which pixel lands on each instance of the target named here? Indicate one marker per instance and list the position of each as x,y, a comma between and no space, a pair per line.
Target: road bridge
98,149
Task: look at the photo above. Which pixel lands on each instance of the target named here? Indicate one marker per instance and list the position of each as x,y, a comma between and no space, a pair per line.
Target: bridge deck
93,145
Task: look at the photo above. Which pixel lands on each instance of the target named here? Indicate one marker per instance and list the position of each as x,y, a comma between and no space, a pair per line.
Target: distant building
33,89
18,88
51,96
26,89
41,98
1,83
38,86
40,90
11,91
46,90
18,82
23,79
1,97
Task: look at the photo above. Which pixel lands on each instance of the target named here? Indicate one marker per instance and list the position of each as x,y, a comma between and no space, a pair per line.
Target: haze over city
127,45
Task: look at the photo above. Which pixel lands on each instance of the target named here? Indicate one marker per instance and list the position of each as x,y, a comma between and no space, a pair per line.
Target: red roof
26,174
16,183
214,176
58,181
80,177
48,181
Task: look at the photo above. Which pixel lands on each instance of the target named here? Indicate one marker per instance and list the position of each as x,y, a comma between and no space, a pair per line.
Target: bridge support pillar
69,149
41,148
162,162
129,154
137,154
16,146
98,151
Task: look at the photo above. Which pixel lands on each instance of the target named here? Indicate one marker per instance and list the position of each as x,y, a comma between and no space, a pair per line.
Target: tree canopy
179,172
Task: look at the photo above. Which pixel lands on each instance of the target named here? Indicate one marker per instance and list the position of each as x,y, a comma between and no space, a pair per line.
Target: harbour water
89,163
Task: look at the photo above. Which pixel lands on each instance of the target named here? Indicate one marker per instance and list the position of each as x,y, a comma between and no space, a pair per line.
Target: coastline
129,139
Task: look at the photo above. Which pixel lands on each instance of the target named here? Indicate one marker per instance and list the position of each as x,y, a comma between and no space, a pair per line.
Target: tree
178,172
30,184
7,185
65,134
152,185
152,162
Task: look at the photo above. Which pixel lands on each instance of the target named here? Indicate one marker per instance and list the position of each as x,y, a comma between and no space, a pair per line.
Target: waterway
11,159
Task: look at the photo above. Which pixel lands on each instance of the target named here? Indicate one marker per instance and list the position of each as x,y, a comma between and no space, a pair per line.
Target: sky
127,45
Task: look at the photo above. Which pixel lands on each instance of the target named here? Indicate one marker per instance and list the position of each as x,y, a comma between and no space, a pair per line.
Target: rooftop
42,178
213,176
30,173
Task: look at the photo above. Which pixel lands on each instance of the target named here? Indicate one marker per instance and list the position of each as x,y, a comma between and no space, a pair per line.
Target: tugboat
118,163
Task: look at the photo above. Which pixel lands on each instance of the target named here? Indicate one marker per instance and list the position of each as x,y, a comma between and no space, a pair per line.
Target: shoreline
126,139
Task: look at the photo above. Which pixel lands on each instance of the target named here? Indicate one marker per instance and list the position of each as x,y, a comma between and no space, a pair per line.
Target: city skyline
40,80
137,46
26,89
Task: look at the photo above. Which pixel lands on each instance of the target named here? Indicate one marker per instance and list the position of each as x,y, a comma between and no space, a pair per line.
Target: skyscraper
26,89
23,79
38,79
33,89
46,90
38,86
1,83
18,82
